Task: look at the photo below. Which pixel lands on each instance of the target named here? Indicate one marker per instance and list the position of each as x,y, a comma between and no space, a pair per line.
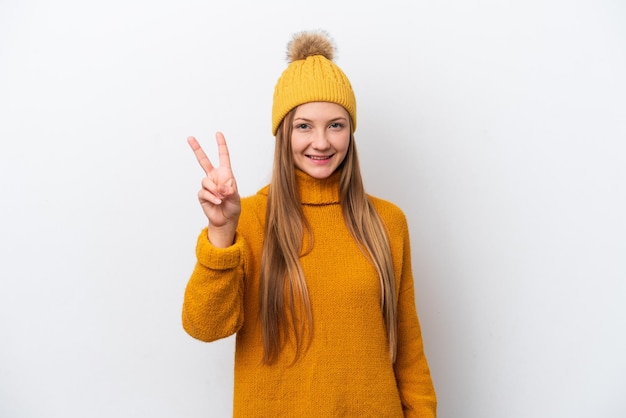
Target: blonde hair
285,301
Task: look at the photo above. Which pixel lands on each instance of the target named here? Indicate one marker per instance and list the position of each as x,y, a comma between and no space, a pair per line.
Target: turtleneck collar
315,191
318,191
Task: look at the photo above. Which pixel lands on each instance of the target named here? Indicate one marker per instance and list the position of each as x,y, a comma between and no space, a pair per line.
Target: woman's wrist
221,237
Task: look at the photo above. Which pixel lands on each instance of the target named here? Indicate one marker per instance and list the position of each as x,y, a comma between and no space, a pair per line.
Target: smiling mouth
320,157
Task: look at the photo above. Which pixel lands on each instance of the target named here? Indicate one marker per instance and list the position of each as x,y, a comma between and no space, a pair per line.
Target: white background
498,126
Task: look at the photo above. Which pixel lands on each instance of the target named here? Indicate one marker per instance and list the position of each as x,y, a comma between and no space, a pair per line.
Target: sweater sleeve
412,372
213,301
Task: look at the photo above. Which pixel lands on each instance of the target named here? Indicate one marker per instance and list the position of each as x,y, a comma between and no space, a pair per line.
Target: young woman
311,273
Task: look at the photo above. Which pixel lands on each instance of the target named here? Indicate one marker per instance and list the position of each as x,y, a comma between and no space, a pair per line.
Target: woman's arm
411,368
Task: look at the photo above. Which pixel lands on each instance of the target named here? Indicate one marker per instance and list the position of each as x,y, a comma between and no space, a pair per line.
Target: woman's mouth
319,157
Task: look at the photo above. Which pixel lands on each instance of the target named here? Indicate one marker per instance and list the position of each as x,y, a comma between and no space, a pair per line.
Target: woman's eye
301,126
336,125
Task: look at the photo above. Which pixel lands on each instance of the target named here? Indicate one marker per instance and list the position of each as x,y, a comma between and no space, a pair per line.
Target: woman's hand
218,196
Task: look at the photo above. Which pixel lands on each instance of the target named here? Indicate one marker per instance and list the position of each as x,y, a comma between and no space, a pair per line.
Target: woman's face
320,138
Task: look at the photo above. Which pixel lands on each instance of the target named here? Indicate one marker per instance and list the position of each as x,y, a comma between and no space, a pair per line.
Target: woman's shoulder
253,207
388,211
260,197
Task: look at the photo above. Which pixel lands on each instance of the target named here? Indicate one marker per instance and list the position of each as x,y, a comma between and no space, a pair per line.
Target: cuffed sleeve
213,303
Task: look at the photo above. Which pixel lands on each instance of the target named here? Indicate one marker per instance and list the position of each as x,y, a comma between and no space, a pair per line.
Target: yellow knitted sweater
346,370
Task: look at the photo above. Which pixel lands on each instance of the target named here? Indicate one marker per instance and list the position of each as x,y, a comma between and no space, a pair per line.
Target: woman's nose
320,141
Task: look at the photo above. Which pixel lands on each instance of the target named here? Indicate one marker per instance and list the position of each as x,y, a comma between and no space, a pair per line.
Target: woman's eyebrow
310,120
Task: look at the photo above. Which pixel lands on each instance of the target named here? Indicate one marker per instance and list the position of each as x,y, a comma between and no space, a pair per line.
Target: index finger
203,160
222,150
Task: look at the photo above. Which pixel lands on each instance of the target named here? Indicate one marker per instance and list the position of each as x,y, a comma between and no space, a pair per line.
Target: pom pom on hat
311,76
306,44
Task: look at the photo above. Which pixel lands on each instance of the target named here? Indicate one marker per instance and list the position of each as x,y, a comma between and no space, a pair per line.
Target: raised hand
218,196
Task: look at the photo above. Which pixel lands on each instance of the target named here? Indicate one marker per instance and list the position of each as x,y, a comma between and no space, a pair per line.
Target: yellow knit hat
311,76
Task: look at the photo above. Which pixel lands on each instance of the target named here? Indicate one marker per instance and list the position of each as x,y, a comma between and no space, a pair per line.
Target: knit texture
314,79
346,371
